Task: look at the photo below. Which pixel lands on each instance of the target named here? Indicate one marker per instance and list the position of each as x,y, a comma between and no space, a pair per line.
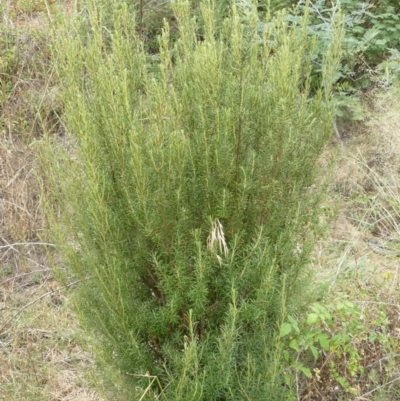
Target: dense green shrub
185,196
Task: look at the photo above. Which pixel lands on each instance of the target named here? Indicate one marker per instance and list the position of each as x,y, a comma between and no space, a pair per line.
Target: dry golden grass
366,192
367,184
41,356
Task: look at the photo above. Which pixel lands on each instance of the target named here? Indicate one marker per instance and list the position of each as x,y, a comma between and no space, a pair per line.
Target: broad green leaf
314,352
340,306
288,379
286,355
285,329
294,345
324,341
294,324
306,371
312,318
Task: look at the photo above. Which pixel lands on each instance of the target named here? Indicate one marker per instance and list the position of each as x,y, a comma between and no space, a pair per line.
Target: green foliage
24,62
185,196
328,340
372,29
389,70
8,63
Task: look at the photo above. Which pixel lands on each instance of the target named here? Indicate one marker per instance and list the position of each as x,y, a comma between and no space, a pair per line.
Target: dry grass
41,356
366,186
367,183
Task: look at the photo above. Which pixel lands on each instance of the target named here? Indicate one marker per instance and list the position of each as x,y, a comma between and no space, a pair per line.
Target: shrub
185,196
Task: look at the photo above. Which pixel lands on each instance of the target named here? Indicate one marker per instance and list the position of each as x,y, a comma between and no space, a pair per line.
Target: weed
335,347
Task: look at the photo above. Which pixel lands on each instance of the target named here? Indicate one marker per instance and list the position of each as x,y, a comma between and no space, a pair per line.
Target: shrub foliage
185,196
